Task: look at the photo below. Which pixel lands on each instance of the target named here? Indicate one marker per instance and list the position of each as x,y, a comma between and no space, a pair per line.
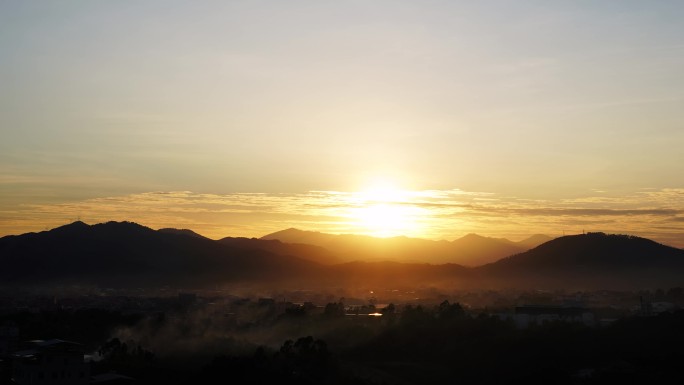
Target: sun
383,210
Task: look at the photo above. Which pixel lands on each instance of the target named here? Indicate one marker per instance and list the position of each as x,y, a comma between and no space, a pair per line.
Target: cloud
578,211
439,214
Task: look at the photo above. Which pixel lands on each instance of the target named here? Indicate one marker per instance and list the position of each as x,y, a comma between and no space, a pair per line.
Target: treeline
435,347
440,344
444,345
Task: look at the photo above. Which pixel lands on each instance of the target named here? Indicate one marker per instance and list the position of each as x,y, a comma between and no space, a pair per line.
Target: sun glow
384,210
383,191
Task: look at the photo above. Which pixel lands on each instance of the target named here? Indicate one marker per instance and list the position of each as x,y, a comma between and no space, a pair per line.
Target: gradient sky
513,117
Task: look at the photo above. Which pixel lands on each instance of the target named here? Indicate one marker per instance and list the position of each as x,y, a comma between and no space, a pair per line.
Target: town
112,336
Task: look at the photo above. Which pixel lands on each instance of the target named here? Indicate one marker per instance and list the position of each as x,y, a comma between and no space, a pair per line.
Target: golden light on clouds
436,214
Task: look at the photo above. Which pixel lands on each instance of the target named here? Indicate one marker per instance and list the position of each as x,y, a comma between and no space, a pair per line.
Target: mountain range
470,250
124,254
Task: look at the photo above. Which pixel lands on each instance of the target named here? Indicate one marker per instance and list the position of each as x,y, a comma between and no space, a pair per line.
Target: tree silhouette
447,311
334,309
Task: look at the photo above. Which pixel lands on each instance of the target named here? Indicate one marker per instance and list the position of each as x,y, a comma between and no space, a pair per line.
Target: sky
504,118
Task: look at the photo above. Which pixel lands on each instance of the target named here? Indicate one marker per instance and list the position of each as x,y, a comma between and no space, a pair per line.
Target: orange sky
502,118
436,214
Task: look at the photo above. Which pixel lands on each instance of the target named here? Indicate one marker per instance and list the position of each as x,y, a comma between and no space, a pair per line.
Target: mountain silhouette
593,260
474,250
470,250
125,253
187,232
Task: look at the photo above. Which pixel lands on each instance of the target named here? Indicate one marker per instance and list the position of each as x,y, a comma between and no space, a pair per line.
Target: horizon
429,214
386,118
282,230
530,236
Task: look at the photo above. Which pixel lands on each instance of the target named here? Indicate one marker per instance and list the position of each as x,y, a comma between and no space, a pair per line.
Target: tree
334,309
389,309
447,311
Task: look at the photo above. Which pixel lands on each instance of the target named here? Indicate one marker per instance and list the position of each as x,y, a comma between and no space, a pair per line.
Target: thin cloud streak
436,214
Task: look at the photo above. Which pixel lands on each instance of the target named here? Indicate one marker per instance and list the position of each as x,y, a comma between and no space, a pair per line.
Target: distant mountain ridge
534,241
126,254
470,250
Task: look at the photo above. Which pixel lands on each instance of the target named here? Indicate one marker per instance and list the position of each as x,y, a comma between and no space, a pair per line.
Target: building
539,314
51,362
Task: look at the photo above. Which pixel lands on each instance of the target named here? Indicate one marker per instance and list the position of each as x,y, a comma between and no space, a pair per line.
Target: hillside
124,253
592,260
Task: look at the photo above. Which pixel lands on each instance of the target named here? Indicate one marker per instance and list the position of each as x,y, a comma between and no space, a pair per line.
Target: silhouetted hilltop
187,232
593,259
123,253
470,250
127,254
596,250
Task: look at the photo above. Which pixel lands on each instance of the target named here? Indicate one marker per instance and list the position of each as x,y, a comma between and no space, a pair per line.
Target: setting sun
386,219
383,210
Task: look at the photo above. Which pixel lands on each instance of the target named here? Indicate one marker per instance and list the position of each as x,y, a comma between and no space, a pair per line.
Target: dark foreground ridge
123,253
120,254
592,260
